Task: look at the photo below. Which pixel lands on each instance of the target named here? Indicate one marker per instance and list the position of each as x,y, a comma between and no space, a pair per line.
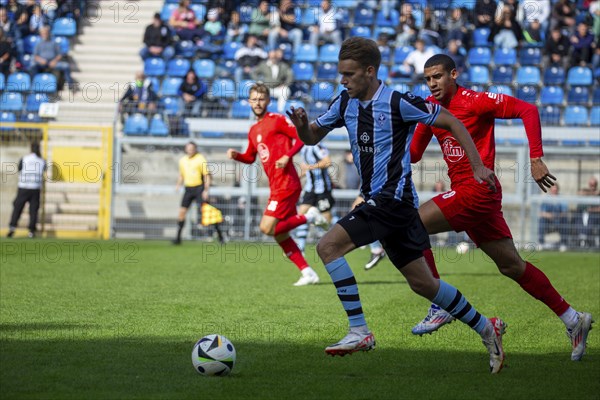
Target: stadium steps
71,207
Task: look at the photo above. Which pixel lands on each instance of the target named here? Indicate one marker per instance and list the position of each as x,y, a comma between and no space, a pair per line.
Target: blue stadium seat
158,127
363,16
327,72
185,49
502,74
390,21
576,116
554,76
64,27
479,56
386,54
504,89
307,53
347,3
310,16
579,76
303,71
63,44
383,73
166,11
205,68
243,89
170,105
528,75
479,74
241,109
34,101
530,56
400,53
199,10
7,117
316,109
361,31
288,51
552,95
229,50
178,67
154,66
223,89
273,107
400,87
136,124
322,91
30,117
421,90
329,53
505,56
294,103
595,116
2,82
11,101
18,82
527,93
550,115
595,96
578,95
212,134
480,37
170,86
44,83
30,42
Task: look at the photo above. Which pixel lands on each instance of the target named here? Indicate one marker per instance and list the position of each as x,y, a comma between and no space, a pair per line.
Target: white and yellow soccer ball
462,247
213,355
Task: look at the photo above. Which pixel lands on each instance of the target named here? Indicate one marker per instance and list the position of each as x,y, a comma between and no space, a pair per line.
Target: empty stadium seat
288,51
30,117
166,11
504,89
30,42
363,16
154,66
386,53
2,82
579,76
400,87
303,71
294,103
63,44
158,127
185,48
578,95
7,117
505,56
502,74
390,21
310,16
307,53
327,72
400,53
479,56
596,96
229,50
550,115
223,89
595,116
44,83
241,109
322,91
576,116
18,82
552,95
554,76
34,101
528,75
421,90
170,86
316,109
204,68
479,74
328,53
11,101
530,56
361,31
383,73
136,124
170,105
199,10
480,37
243,89
64,27
178,67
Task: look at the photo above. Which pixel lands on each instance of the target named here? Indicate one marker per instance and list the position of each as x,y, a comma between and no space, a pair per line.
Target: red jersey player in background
471,207
276,141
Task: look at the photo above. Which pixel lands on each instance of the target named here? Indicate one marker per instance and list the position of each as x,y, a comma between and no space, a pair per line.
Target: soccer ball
213,355
462,247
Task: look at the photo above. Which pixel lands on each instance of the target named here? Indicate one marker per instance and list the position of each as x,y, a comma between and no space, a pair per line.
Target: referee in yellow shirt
195,177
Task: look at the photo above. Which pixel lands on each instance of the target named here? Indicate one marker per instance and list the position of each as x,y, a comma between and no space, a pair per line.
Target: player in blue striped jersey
380,122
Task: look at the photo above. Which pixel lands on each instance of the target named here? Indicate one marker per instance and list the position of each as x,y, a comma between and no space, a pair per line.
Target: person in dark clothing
139,97
5,55
157,39
485,11
506,32
583,45
556,48
191,91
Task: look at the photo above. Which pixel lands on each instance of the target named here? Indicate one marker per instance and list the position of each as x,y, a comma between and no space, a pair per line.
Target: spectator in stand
5,55
406,29
563,15
36,20
157,39
327,27
587,217
191,91
17,13
69,9
534,33
247,57
285,27
47,57
534,10
186,24
49,8
485,11
596,57
261,21
583,45
453,51
235,29
11,34
557,48
595,13
415,60
553,218
276,75
139,97
225,8
456,27
431,30
506,32
213,25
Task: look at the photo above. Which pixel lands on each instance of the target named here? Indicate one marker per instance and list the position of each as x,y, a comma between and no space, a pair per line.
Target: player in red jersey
471,207
275,141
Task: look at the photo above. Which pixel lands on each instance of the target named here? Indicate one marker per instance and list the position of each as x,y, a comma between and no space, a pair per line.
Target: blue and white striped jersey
380,132
317,180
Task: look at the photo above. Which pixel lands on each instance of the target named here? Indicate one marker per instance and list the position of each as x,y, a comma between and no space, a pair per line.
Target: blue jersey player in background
379,121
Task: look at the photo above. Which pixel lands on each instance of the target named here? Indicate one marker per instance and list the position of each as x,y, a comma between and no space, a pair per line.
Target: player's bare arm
282,162
310,134
232,154
481,173
541,174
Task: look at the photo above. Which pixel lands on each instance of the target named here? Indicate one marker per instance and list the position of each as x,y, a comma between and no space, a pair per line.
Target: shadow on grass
124,367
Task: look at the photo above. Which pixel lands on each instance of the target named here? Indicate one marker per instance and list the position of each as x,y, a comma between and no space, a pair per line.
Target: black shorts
394,223
192,193
323,201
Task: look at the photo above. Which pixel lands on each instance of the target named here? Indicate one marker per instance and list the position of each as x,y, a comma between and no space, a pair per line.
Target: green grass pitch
118,319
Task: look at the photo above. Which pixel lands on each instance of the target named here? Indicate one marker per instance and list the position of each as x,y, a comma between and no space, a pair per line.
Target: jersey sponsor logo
263,152
365,137
410,95
452,150
368,149
381,119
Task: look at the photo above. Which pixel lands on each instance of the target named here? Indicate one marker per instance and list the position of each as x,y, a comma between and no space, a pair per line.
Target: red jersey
477,111
272,137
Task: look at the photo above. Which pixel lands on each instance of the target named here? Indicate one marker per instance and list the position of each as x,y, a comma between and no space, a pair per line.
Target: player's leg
377,254
186,202
34,205
536,283
18,205
301,232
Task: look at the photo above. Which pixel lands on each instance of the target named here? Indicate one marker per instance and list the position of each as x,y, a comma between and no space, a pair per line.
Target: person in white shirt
31,177
415,60
327,28
277,75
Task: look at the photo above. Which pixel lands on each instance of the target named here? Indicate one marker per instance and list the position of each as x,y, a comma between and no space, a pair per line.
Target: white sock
308,271
570,318
363,329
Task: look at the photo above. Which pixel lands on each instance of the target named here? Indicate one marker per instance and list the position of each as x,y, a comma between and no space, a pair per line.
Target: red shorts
475,210
283,206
